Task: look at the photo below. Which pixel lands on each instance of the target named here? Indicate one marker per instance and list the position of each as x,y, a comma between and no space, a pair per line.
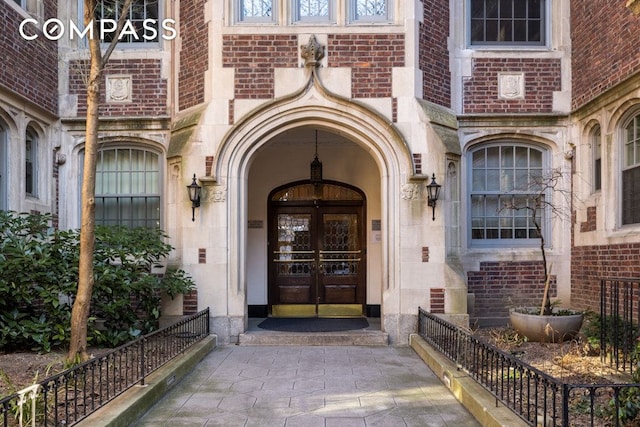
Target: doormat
313,324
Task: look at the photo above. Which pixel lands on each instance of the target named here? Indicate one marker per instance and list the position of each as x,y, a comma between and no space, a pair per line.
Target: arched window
31,162
596,145
128,187
502,175
631,172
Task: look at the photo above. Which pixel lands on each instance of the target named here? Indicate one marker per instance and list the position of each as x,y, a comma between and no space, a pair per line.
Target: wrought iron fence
536,397
70,396
619,318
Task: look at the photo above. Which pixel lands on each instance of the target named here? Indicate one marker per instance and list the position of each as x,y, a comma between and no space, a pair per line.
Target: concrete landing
371,336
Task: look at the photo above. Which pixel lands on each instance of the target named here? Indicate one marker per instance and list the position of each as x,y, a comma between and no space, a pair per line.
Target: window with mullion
507,22
631,173
313,10
370,11
256,10
139,11
128,188
502,176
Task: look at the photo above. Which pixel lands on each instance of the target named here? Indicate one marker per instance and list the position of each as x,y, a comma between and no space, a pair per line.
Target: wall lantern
315,175
434,192
194,196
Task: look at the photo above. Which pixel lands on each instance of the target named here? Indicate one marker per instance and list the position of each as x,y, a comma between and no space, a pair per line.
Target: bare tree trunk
82,303
545,309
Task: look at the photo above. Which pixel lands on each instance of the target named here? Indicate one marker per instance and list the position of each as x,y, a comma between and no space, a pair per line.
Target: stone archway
313,106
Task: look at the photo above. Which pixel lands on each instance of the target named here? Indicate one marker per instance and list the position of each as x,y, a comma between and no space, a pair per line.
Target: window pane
30,162
257,8
506,30
492,9
520,33
507,157
371,8
108,161
506,180
506,9
492,33
479,159
534,33
313,8
477,29
493,180
479,180
534,8
522,179
522,157
477,9
493,157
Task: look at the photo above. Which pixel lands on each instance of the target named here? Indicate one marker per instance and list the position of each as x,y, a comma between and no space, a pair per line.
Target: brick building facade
385,97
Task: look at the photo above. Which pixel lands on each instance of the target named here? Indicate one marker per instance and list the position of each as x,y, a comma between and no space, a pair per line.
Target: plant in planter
545,323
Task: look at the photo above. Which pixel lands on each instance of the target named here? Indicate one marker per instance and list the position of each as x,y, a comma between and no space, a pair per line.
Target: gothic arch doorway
317,250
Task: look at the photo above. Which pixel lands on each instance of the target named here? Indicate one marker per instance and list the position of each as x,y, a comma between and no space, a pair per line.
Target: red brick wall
255,57
190,303
542,78
149,90
29,68
436,300
590,264
371,57
433,53
606,51
501,285
194,53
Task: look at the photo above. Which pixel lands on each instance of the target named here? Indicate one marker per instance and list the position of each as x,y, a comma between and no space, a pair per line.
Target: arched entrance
317,250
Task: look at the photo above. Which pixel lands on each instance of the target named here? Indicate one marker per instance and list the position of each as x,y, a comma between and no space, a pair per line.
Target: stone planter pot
553,328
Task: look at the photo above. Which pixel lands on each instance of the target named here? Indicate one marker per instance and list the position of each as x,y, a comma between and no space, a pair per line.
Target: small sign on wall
376,231
255,223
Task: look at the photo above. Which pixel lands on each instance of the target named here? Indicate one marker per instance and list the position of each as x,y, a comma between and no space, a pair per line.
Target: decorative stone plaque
511,85
216,193
118,88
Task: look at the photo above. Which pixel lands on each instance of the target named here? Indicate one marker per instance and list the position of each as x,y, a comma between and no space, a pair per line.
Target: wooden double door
317,259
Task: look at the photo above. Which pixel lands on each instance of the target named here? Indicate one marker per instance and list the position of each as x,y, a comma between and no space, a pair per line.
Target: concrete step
360,337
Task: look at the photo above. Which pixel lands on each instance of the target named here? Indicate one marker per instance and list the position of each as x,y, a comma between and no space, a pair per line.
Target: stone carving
410,191
216,193
312,52
511,85
118,89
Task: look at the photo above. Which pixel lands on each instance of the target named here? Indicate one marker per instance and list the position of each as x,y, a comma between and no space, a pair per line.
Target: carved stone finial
312,52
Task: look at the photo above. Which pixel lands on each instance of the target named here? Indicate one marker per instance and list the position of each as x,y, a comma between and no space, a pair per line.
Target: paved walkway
310,386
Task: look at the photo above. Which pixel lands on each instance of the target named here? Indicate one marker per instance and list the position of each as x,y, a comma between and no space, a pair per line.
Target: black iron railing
537,398
619,318
70,396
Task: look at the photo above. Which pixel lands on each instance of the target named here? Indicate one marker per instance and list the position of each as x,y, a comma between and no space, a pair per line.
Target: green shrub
39,273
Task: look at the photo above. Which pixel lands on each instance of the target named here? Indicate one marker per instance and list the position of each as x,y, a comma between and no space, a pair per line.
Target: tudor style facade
480,93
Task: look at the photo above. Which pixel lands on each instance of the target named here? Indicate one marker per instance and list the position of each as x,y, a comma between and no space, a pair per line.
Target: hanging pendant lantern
316,168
